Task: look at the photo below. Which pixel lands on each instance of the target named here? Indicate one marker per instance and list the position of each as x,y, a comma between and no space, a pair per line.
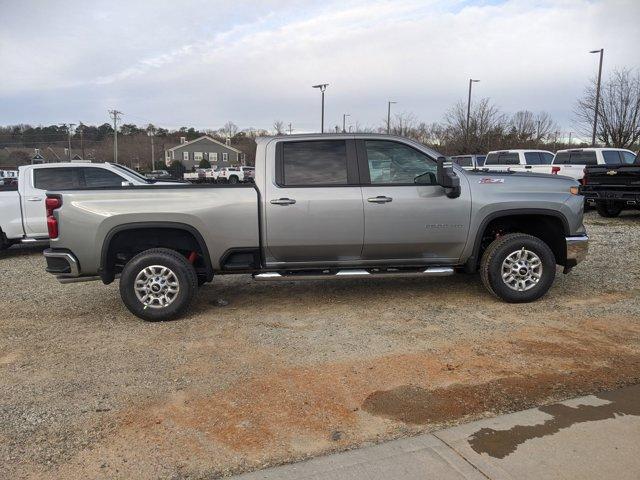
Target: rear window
463,161
575,158
315,163
56,178
546,158
502,158
629,158
480,160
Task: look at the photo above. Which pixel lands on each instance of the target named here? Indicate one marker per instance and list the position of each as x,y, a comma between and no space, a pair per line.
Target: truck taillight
555,170
52,203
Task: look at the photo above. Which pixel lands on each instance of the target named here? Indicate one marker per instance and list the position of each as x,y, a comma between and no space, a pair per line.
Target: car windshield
131,172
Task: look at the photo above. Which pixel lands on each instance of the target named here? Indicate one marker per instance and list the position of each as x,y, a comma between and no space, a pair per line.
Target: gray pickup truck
322,207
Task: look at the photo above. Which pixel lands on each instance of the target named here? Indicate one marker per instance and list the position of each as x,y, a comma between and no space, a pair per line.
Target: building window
198,156
185,156
213,156
225,157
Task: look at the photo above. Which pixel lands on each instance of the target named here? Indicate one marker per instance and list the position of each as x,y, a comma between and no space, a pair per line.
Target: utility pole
389,116
69,127
570,133
538,134
290,129
115,115
595,113
344,122
81,128
466,134
322,87
151,131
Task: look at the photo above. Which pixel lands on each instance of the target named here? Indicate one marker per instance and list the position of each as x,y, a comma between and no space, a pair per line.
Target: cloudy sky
203,63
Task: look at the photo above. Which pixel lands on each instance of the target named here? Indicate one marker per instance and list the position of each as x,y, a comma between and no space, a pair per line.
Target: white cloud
194,63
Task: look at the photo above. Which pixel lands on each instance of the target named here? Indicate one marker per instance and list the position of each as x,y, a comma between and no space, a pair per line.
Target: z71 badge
491,180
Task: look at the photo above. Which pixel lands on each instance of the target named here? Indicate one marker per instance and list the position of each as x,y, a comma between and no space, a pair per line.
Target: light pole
151,131
389,116
344,122
595,113
322,87
466,134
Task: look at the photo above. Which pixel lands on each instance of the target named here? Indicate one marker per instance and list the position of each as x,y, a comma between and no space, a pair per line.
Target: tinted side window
561,158
395,163
480,160
99,177
532,158
315,163
611,157
628,157
56,178
492,159
546,158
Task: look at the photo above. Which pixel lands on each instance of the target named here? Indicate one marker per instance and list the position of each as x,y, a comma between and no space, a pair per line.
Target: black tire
4,243
608,210
183,272
233,179
491,267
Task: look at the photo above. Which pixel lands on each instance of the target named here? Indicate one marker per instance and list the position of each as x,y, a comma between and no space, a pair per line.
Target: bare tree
278,127
486,127
229,130
527,129
618,112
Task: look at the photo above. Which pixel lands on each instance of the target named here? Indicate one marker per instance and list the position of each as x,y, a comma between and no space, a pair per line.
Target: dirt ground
279,372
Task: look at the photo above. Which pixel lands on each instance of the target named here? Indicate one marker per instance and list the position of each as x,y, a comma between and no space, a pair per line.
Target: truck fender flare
107,277
512,212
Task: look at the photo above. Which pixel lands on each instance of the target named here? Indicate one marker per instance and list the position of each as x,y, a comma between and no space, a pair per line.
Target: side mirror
447,178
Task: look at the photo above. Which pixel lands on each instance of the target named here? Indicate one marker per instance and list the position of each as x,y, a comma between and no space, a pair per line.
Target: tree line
488,129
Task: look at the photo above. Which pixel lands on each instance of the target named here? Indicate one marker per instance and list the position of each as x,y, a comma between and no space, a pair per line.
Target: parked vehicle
612,188
159,175
4,174
322,207
469,162
22,206
572,162
520,160
232,175
197,176
249,173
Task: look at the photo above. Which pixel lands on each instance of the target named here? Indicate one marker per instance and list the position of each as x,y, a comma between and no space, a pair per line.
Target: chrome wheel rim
521,270
156,286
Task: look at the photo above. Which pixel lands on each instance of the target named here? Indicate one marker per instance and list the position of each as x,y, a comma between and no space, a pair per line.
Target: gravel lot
260,374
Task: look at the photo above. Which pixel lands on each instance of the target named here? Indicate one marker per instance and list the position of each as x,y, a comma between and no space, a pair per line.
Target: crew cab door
407,216
313,203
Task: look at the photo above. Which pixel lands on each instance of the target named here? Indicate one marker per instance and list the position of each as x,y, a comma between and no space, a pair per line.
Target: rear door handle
379,199
283,201
34,199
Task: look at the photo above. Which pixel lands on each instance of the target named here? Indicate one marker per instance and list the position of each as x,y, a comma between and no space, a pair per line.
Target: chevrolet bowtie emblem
612,172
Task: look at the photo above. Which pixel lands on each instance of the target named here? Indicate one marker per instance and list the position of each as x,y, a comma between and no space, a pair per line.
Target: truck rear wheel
518,268
608,210
233,179
158,284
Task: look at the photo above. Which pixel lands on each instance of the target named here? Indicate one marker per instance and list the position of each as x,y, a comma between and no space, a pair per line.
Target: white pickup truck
520,160
236,174
572,162
22,209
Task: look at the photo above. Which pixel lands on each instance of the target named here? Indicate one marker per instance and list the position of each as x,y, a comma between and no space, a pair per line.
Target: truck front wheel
158,284
518,268
608,210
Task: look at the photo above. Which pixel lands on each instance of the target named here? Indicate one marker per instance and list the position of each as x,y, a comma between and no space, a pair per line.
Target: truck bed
226,217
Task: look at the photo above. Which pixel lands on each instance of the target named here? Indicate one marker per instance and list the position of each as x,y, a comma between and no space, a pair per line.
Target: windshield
131,172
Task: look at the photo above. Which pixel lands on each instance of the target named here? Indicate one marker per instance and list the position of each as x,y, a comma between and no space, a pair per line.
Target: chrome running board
358,273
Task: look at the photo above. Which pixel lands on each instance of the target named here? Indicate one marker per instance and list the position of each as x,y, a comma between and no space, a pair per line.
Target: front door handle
34,199
283,201
379,199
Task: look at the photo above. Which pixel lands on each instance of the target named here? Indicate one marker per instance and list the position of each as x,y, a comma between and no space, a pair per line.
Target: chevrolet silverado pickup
322,207
612,188
22,209
572,162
